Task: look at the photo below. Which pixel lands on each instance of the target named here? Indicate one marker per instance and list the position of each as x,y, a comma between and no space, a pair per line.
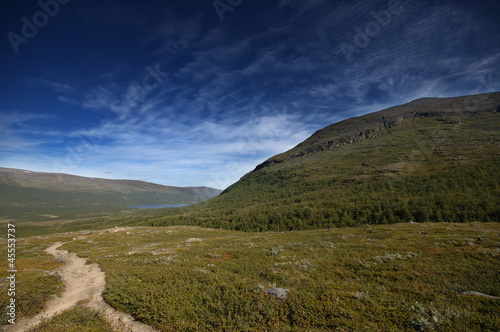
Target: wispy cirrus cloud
157,141
17,132
233,94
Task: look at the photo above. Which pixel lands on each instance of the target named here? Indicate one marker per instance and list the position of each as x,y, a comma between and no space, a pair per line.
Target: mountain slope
35,196
450,112
432,159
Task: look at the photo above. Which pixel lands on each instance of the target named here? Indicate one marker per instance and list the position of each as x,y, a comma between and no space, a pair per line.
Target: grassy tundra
367,278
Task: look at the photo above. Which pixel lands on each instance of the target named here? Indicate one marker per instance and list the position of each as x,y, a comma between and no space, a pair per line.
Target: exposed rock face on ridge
449,110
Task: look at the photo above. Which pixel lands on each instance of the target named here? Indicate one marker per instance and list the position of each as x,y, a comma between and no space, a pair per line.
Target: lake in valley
157,206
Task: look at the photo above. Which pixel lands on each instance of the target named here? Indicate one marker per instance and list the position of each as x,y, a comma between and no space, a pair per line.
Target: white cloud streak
240,98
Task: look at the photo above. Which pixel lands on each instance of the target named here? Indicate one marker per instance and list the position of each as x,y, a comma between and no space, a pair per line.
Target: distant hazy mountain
433,159
36,196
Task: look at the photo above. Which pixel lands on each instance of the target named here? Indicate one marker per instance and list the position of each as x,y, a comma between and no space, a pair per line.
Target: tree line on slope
465,194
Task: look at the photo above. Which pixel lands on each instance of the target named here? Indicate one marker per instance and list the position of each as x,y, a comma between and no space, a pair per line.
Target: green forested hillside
429,160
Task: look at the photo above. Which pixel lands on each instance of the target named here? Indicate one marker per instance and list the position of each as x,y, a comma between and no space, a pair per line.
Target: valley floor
422,277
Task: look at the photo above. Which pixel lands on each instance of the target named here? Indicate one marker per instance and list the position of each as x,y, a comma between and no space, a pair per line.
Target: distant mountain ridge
63,181
352,130
27,194
433,159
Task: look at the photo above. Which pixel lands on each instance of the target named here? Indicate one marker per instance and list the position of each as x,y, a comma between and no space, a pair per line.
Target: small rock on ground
193,239
278,293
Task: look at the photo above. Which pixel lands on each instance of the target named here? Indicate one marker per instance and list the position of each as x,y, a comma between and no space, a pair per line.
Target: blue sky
198,92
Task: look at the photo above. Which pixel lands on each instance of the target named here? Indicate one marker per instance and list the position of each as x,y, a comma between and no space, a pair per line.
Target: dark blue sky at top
183,93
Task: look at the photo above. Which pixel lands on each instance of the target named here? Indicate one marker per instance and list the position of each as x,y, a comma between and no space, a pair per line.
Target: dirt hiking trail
82,282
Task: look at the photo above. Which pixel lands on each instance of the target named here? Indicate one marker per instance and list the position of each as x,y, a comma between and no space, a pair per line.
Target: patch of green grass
78,319
82,223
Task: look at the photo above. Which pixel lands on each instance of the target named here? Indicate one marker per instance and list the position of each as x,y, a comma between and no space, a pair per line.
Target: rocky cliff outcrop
353,130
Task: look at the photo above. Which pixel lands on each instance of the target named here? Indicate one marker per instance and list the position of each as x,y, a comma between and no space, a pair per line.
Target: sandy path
82,282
